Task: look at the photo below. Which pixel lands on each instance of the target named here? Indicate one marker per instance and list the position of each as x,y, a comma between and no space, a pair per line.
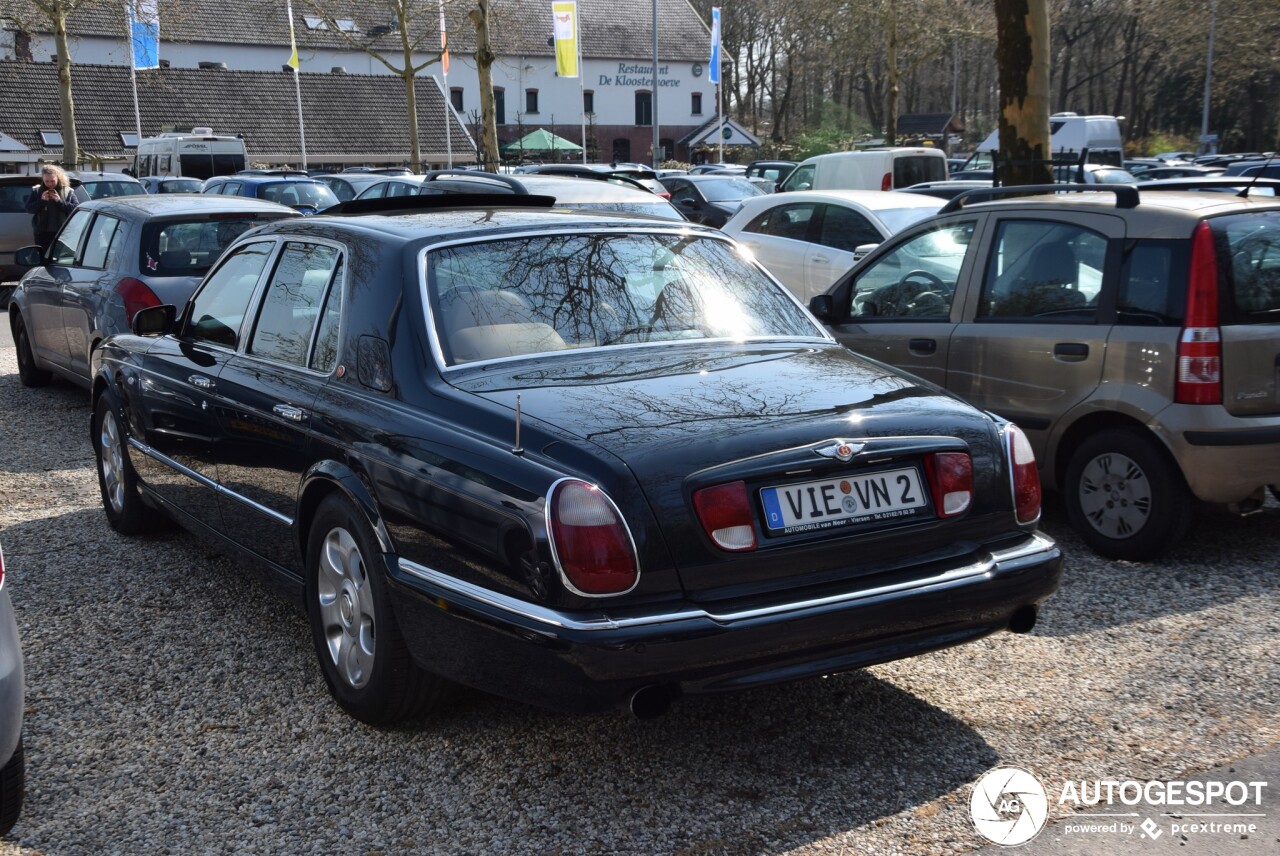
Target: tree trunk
407,75
891,70
484,68
1022,60
70,142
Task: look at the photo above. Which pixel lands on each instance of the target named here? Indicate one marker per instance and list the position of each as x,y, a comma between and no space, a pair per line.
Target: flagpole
133,76
720,114
582,89
297,85
444,90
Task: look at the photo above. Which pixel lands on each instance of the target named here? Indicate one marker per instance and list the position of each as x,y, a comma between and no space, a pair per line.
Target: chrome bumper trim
1037,548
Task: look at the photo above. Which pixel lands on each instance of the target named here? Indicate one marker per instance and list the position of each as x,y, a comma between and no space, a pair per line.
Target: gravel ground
174,706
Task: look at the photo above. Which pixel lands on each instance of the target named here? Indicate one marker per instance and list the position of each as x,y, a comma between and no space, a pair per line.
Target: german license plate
810,506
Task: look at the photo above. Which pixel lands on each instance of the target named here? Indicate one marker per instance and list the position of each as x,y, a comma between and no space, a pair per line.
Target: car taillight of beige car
1134,336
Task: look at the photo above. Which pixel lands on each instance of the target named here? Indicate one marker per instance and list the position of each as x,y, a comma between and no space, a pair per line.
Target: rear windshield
103,189
13,197
180,185
298,193
1248,248
913,169
189,247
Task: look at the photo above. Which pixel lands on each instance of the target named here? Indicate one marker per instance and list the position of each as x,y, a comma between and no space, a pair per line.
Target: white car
808,239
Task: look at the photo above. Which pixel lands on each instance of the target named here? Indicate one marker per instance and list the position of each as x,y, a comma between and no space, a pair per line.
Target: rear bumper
1222,462
594,661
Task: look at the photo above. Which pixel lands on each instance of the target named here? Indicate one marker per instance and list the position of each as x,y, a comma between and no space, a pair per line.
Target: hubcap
111,461
346,607
1115,495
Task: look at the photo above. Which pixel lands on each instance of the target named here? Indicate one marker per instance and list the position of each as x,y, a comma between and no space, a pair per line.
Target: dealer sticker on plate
810,506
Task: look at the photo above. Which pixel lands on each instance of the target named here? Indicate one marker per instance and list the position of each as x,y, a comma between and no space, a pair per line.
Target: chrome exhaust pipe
650,702
1024,619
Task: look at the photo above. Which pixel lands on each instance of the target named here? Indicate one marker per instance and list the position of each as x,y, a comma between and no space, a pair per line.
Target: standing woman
50,203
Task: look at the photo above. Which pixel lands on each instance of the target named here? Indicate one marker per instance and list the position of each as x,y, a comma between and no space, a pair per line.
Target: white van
199,154
1069,135
871,169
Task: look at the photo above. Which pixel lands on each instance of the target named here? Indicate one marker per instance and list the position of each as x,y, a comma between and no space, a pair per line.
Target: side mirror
823,308
862,250
687,203
154,320
28,257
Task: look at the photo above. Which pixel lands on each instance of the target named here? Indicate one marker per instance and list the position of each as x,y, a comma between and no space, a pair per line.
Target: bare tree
485,58
51,15
416,25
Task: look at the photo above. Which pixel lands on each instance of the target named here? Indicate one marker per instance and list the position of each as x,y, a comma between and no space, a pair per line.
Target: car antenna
1245,193
518,450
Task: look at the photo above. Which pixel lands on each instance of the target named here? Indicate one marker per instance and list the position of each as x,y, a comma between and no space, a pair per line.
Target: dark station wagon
578,459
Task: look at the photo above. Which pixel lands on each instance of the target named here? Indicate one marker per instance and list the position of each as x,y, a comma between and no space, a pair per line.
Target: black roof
344,114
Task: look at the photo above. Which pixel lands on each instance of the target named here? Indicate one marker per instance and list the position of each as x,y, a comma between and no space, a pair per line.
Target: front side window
546,294
1043,270
291,306
98,245
67,243
916,279
216,312
801,177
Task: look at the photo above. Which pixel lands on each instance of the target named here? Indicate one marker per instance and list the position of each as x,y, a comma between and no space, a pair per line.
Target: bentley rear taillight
725,514
950,477
136,296
1023,475
589,540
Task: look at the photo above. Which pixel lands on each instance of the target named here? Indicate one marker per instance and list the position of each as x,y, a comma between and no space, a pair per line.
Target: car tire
30,374
1125,497
13,781
362,653
117,481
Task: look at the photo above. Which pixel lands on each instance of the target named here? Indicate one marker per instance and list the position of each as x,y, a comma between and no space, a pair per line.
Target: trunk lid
683,417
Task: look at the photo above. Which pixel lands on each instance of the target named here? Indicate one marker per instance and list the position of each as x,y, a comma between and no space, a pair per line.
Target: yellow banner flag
293,57
565,15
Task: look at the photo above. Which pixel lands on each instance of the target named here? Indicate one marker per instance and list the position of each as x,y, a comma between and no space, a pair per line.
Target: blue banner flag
713,67
144,32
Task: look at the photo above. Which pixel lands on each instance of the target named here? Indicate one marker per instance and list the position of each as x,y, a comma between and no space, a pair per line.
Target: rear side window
1153,285
216,312
1044,271
1248,248
189,247
914,169
99,243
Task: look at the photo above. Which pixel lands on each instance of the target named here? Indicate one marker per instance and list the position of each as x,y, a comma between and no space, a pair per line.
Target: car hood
686,416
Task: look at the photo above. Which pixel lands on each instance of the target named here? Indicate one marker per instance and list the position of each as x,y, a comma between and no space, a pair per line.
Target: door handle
822,260
1071,350
288,411
200,382
923,346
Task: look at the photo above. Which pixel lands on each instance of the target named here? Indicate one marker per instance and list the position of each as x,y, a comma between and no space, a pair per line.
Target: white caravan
199,154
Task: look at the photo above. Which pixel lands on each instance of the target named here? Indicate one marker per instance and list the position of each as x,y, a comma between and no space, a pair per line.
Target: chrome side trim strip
1037,548
208,482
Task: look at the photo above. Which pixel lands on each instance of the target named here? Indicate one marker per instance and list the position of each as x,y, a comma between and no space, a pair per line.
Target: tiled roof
344,114
927,123
610,28
703,134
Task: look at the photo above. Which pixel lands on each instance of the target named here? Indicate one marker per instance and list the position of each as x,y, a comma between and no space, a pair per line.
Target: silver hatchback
1134,335
113,257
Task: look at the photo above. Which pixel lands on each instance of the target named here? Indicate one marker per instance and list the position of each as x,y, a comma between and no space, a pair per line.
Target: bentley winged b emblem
841,450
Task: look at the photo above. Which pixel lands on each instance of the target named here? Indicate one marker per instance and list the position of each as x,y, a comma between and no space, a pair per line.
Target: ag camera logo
1009,806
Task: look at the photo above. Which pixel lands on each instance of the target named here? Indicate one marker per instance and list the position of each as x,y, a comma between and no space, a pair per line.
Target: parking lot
174,704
